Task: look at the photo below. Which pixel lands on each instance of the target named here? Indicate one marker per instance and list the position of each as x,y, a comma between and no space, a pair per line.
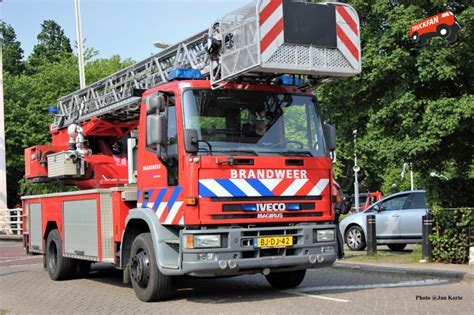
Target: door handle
395,215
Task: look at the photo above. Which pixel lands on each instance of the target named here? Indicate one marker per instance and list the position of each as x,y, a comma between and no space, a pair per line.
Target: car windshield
254,122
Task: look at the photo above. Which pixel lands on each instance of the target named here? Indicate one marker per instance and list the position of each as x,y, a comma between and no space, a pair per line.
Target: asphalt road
26,288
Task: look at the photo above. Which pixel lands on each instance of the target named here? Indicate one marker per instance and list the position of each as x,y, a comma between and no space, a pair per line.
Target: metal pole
356,171
427,221
80,54
412,182
371,235
3,166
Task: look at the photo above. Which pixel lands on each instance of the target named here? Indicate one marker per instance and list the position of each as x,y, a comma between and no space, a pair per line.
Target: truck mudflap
241,251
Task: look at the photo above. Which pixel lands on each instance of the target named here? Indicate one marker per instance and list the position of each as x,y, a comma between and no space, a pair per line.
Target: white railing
11,222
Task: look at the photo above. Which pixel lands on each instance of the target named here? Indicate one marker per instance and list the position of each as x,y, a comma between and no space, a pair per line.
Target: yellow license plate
273,242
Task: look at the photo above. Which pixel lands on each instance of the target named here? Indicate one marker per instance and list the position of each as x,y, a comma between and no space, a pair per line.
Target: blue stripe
173,197
159,199
145,201
205,192
231,187
261,188
139,192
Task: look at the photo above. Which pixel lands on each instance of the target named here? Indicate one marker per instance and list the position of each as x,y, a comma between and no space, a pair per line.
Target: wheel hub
140,268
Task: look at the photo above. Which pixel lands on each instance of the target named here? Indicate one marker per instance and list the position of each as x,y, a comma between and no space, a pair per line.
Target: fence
11,222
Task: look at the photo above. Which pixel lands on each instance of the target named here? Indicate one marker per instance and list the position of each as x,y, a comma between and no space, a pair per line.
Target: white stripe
216,189
139,204
160,209
367,286
150,205
271,21
319,187
352,13
272,48
319,297
263,4
181,222
349,33
271,183
347,54
294,187
173,212
245,187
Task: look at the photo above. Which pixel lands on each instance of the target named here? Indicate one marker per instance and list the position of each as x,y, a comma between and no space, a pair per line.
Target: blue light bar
181,74
290,80
292,206
249,207
52,110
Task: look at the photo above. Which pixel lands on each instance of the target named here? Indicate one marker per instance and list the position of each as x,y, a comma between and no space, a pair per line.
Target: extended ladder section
263,38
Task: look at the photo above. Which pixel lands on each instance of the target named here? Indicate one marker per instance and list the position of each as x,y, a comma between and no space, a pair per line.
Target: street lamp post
356,169
80,54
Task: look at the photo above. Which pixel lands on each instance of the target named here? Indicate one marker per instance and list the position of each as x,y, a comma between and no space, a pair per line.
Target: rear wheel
397,247
59,267
355,238
147,280
286,279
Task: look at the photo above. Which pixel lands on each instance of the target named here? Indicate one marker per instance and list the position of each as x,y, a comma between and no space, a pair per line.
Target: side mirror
330,136
191,141
156,103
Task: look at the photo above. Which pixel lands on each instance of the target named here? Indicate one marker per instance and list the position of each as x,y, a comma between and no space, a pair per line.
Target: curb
406,271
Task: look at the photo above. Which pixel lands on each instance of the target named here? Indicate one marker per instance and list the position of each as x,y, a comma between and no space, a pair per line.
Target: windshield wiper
290,153
238,151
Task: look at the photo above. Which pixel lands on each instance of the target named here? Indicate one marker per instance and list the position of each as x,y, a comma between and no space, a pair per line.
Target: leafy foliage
11,50
53,45
451,239
411,102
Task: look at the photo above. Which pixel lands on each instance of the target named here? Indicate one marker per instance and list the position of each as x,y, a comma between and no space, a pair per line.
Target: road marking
321,297
303,291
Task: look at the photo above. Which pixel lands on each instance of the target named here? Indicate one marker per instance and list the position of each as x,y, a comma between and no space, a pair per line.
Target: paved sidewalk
464,272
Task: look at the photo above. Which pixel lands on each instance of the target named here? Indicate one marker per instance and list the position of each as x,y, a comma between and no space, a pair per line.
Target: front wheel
286,279
355,238
147,280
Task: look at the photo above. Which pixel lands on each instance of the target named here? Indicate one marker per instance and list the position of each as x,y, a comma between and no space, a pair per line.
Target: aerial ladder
257,40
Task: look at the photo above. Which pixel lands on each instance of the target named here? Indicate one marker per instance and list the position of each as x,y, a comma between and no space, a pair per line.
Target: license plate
273,242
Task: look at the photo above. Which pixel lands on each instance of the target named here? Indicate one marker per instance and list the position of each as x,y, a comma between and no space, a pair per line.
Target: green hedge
451,236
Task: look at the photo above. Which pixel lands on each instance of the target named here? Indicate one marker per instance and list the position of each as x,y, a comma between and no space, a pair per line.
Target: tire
397,247
444,31
286,279
59,267
148,282
415,37
355,238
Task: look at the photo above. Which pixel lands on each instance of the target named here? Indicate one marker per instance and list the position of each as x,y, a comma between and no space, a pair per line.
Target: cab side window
171,158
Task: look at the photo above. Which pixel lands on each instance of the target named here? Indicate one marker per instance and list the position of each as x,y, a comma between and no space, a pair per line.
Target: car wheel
355,238
397,247
147,280
286,279
415,37
444,31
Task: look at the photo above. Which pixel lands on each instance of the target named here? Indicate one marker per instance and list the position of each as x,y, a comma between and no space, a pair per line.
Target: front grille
273,215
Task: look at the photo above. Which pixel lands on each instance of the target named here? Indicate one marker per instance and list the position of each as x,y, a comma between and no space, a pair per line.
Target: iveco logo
271,207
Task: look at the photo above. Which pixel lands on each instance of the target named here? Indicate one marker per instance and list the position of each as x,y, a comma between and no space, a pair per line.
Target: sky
127,28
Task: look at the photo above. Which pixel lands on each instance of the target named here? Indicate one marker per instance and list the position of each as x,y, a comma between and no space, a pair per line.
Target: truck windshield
254,123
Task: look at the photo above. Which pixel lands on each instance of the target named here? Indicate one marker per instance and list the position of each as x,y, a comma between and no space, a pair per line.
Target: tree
53,45
12,52
411,102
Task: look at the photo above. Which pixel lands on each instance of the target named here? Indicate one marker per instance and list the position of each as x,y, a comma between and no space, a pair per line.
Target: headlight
325,235
203,241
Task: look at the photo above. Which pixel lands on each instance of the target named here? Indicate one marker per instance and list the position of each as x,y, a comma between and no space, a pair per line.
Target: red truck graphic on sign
444,25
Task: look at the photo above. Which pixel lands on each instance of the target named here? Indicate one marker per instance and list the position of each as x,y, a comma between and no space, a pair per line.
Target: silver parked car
398,221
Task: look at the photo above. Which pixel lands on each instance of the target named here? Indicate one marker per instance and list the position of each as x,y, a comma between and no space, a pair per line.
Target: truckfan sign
443,25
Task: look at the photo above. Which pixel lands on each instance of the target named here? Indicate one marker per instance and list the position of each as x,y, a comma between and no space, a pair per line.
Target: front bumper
238,256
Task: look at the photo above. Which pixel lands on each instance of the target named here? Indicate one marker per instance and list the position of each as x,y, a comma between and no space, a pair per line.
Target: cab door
411,217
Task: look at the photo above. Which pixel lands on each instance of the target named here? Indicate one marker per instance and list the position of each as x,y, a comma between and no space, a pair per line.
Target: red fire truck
208,159
443,24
